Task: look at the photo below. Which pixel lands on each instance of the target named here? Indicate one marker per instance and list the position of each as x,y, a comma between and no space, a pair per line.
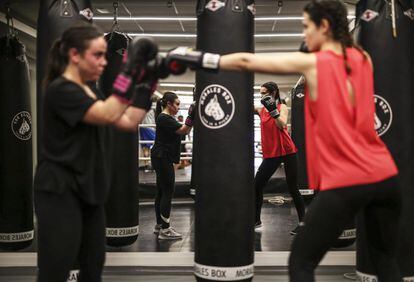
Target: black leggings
164,170
332,210
266,170
69,231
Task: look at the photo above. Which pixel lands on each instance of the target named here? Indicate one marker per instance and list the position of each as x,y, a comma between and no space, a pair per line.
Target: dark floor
278,221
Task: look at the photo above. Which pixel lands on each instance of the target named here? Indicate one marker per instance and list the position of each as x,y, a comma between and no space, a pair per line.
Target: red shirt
342,146
275,142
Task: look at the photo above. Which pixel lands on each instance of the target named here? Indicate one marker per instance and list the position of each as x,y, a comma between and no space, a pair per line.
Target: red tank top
342,146
275,142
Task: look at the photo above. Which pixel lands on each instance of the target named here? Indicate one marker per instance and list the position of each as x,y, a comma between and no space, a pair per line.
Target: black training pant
69,231
266,170
332,210
164,170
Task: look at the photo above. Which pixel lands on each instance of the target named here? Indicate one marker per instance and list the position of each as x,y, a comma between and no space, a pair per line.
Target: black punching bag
298,134
122,204
224,205
393,59
54,17
16,168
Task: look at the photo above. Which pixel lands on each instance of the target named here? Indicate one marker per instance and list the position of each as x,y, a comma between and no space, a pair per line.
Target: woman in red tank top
346,159
277,148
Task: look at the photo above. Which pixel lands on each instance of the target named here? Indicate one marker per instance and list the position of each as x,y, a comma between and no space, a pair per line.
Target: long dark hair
168,97
77,36
335,12
273,90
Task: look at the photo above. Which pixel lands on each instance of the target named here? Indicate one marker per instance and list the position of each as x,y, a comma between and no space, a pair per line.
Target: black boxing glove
158,68
270,104
304,48
142,94
191,114
140,52
184,56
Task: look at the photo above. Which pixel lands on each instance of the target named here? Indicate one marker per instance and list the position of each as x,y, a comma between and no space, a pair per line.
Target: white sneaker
157,228
169,234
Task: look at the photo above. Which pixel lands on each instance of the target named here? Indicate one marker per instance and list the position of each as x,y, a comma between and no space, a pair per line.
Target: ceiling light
166,84
145,18
103,11
279,35
185,35
277,18
189,35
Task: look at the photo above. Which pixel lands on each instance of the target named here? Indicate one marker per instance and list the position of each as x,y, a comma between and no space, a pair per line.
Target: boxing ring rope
188,155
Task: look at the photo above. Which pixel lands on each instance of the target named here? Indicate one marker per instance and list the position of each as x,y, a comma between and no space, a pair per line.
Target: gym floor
278,220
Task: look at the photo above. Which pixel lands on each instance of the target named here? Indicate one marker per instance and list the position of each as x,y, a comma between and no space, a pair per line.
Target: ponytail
158,108
57,62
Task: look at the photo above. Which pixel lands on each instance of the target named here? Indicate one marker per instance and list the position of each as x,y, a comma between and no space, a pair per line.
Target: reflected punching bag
122,204
16,168
224,205
54,17
298,135
393,59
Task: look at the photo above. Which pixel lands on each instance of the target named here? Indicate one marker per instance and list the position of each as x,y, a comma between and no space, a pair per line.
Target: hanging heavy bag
224,127
16,168
386,31
122,204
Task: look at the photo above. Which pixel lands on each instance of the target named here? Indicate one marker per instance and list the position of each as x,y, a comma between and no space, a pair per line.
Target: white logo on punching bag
300,95
214,110
409,13
87,13
383,115
369,15
216,106
21,125
252,9
214,5
121,51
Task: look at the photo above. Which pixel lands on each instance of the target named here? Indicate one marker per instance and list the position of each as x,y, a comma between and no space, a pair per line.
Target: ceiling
25,11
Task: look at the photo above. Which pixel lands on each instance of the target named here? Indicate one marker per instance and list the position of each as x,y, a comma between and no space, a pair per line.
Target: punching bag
224,202
393,59
16,168
122,204
298,135
54,17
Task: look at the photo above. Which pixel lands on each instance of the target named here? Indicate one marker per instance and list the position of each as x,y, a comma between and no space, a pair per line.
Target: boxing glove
142,94
304,48
140,52
159,68
191,114
180,56
270,104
